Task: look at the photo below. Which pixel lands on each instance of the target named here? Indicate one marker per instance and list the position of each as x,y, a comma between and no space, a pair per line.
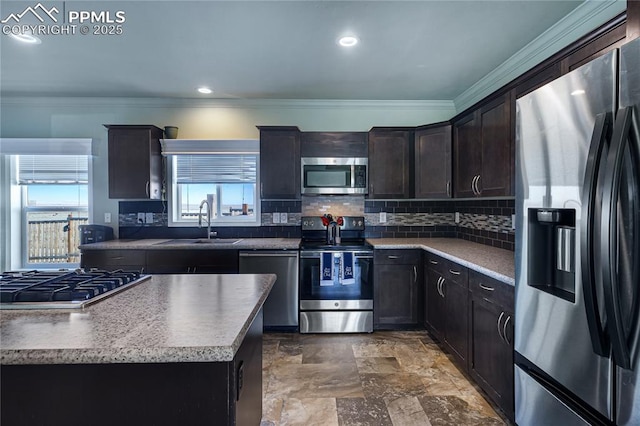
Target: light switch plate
276,218
284,217
141,217
107,218
383,217
148,218
457,217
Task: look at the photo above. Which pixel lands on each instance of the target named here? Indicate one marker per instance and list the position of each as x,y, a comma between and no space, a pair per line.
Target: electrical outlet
284,217
457,217
276,218
141,217
513,221
383,217
107,218
148,218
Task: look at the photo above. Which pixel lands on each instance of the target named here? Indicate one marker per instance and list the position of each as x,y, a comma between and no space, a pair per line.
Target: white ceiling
408,50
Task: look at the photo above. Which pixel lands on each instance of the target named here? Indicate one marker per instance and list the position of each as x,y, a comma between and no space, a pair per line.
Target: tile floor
384,378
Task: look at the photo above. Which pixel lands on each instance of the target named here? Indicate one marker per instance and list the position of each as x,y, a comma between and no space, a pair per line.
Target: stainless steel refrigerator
577,335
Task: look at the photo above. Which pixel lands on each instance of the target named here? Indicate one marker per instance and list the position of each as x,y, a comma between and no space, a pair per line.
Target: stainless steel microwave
324,175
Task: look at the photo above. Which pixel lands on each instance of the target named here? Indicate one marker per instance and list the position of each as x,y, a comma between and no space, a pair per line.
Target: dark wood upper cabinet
467,155
334,144
611,39
433,161
483,157
279,162
135,163
546,75
495,135
390,156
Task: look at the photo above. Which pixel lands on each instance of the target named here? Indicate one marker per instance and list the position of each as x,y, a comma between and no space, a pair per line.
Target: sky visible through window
57,195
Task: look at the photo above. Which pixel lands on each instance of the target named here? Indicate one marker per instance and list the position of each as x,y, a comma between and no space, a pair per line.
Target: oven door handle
316,254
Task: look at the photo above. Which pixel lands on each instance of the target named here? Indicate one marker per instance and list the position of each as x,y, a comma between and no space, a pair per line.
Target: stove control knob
359,223
337,304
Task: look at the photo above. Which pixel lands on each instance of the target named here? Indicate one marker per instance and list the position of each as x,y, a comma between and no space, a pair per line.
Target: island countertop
168,318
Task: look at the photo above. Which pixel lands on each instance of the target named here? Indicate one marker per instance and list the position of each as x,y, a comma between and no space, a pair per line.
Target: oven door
312,288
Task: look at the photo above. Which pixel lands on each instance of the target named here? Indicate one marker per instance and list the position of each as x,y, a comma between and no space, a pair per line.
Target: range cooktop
62,289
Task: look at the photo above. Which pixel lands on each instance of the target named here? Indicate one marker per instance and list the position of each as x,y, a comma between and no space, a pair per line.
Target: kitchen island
175,349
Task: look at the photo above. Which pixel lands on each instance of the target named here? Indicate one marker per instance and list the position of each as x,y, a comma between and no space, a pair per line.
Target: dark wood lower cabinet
397,289
435,304
109,260
456,334
192,261
195,393
491,339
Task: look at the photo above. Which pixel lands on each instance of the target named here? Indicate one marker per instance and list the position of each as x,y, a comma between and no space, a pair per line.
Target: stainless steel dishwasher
281,307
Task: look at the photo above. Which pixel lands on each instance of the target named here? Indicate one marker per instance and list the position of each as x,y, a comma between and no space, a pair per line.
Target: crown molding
52,101
583,19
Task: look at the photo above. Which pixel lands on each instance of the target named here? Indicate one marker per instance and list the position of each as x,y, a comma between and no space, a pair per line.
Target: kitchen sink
226,241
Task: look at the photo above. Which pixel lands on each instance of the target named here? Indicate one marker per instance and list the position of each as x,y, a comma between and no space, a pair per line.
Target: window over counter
224,172
49,199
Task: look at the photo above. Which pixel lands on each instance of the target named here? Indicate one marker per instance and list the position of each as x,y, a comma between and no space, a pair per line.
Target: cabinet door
435,304
396,295
390,163
467,155
433,162
491,355
279,163
135,163
456,334
495,134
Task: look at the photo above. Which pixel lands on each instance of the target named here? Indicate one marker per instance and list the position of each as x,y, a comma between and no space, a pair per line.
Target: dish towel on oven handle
326,269
346,268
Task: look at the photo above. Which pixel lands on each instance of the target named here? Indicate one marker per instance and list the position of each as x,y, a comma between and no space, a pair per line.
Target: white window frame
173,147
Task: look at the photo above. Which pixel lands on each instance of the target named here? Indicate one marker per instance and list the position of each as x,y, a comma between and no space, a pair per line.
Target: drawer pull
433,262
454,272
117,258
484,287
393,257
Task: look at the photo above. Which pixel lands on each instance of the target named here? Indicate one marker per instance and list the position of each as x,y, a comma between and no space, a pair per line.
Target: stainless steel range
62,289
336,276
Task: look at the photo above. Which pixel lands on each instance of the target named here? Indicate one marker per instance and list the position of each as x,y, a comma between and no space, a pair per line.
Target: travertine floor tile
334,353
362,412
407,411
314,381
309,412
386,365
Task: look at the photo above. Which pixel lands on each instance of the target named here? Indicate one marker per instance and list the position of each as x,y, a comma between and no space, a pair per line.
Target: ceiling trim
437,105
580,21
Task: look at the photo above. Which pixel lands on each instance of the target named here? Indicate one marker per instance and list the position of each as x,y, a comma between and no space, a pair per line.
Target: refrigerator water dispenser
552,251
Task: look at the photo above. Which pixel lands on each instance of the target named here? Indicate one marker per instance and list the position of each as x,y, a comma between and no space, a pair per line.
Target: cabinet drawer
398,257
491,289
449,270
108,259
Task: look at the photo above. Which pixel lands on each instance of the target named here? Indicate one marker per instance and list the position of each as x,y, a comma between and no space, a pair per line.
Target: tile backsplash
483,221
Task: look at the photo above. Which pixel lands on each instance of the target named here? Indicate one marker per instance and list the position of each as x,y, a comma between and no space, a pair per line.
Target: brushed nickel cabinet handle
499,328
484,287
478,185
393,257
454,272
473,184
448,188
433,262
146,189
504,330
415,274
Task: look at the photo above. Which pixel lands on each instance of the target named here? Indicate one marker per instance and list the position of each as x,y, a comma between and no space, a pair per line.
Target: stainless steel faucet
208,202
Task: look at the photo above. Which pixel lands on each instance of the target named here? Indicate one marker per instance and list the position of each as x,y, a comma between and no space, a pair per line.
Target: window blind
217,168
53,169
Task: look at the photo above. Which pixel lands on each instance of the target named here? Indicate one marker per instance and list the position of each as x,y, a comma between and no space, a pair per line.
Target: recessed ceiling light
26,38
204,90
348,41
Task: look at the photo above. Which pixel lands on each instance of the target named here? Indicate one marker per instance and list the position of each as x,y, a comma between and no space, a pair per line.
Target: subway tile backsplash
483,221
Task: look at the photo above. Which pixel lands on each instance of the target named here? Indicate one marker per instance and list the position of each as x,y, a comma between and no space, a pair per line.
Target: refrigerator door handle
590,218
609,235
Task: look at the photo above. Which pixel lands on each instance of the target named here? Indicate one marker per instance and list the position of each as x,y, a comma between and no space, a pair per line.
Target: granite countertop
168,318
198,244
494,262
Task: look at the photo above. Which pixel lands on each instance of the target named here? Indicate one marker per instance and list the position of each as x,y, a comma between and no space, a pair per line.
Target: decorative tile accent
486,222
411,219
337,205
